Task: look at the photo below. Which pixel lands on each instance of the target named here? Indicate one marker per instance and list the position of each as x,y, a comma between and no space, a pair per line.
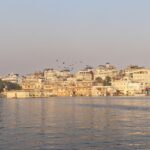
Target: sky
38,34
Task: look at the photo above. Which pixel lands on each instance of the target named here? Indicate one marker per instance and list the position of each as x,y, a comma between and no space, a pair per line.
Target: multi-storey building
13,78
128,87
51,74
85,75
104,71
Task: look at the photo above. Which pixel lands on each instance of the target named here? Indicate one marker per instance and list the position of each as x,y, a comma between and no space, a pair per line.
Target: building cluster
104,80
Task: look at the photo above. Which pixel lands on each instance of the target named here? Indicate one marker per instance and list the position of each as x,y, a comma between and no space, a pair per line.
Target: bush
107,81
12,86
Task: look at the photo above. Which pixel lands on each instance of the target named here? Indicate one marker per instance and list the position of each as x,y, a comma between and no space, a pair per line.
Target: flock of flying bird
65,66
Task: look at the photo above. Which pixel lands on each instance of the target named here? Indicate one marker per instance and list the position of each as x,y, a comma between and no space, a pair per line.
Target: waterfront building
83,88
13,78
128,87
50,88
138,74
64,91
142,75
100,90
102,81
83,91
32,83
18,94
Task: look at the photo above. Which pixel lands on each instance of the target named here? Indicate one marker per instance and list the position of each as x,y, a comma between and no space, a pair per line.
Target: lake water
75,124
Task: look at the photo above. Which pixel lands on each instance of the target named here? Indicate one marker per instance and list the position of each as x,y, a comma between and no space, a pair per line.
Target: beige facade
88,82
104,71
51,74
26,85
17,94
103,91
64,91
142,76
83,88
83,91
85,75
13,78
64,73
128,87
131,69
50,89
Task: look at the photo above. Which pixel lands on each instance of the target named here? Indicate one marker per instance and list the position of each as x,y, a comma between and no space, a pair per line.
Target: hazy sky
34,33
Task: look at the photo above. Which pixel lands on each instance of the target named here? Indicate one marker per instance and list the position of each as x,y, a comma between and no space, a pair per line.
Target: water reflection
75,123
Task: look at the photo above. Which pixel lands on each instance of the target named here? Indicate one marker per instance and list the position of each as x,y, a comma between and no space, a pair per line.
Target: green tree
99,80
107,81
12,86
1,85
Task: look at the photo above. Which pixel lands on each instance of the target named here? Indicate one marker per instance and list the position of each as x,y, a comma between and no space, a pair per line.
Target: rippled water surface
75,124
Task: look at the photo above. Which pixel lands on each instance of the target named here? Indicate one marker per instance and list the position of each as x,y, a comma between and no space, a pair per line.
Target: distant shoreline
113,97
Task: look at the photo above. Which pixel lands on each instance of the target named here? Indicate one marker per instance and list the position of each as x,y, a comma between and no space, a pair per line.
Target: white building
86,74
103,91
51,74
142,76
13,78
127,87
131,69
103,71
65,73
